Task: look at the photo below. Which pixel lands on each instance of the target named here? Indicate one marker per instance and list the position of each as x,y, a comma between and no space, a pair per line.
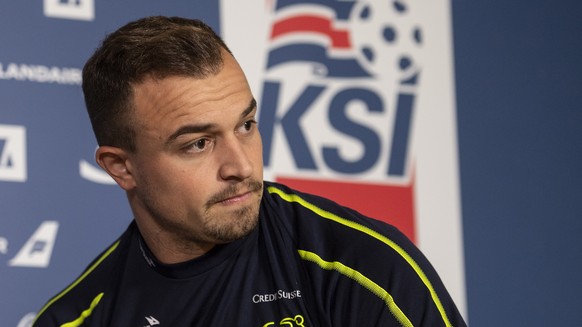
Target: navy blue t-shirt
309,262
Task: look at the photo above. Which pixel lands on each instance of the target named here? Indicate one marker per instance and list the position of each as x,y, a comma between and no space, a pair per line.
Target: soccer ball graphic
386,38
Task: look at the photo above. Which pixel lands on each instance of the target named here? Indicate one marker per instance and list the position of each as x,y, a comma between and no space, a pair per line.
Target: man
211,244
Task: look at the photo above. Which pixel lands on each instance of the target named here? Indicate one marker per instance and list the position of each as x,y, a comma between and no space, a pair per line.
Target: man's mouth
234,195
236,199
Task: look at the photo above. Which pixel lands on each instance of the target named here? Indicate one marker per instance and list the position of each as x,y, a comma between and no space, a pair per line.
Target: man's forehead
208,126
176,99
183,88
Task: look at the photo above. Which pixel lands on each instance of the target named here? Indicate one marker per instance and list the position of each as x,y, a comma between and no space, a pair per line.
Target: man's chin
241,223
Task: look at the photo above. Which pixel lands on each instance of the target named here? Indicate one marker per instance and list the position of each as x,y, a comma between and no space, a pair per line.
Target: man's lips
236,194
236,198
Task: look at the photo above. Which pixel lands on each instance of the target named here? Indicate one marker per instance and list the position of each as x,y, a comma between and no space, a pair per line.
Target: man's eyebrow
191,129
252,106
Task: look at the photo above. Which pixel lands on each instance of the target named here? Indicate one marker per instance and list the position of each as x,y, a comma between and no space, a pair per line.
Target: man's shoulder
89,286
322,209
324,221
283,195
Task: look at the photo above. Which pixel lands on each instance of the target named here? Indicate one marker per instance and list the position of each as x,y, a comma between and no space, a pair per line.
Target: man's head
192,161
154,47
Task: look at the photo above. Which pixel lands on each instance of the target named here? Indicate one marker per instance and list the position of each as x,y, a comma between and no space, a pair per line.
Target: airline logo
37,251
70,9
13,153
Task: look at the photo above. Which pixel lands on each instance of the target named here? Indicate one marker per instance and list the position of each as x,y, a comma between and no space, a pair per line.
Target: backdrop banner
356,102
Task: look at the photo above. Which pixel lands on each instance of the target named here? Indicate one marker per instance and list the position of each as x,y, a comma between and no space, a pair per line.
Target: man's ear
115,162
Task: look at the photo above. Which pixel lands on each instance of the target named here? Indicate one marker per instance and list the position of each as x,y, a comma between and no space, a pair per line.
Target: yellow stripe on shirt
360,279
351,224
86,313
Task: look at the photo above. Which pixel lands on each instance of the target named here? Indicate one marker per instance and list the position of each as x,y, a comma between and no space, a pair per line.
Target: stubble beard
229,226
215,226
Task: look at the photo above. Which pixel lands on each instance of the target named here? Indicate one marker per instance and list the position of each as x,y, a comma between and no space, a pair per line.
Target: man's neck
167,248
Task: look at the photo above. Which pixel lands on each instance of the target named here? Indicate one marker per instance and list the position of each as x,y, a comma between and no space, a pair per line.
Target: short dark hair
151,47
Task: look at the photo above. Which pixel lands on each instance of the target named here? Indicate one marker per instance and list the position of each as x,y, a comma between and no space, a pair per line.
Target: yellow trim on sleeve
86,313
328,215
360,279
76,282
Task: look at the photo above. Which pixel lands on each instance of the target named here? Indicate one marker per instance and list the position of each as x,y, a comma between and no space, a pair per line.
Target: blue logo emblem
357,54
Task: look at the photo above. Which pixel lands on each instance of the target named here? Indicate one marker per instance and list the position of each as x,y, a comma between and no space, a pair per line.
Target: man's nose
235,163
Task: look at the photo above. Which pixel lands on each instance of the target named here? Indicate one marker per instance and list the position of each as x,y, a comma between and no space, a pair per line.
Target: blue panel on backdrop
519,86
54,220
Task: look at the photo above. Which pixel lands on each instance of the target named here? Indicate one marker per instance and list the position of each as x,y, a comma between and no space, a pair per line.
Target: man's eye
199,145
248,125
